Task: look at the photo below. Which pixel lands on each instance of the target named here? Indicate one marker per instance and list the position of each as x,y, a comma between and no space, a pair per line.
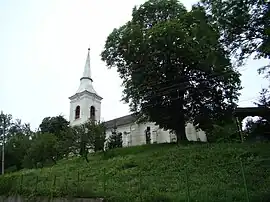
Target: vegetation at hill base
160,172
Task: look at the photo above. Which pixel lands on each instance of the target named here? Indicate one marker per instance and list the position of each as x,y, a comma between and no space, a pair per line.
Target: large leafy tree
173,67
16,149
55,125
18,143
42,149
59,126
244,26
90,137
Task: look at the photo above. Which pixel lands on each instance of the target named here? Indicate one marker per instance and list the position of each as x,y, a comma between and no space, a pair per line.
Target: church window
77,112
92,113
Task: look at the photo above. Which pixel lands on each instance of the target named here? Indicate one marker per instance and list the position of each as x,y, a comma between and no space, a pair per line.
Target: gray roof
131,118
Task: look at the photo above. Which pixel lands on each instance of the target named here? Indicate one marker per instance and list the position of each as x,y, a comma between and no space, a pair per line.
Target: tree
225,132
66,145
42,149
17,127
59,126
258,129
115,139
261,126
264,99
244,26
18,143
5,124
173,67
90,137
16,149
54,125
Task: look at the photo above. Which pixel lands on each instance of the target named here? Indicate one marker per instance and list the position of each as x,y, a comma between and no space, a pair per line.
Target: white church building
85,104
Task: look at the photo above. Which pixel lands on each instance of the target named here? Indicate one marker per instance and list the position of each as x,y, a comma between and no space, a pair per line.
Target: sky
43,48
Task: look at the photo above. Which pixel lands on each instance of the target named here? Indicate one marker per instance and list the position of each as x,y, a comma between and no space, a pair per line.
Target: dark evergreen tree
115,139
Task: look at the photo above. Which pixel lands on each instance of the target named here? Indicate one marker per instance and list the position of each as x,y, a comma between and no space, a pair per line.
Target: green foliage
260,127
41,150
154,173
59,126
16,140
173,67
115,140
67,144
56,140
244,26
5,124
16,149
54,125
90,137
227,132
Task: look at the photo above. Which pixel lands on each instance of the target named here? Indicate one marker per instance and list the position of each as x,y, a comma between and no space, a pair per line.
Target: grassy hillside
167,172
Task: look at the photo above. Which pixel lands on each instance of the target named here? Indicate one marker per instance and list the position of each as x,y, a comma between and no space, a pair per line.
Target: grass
164,172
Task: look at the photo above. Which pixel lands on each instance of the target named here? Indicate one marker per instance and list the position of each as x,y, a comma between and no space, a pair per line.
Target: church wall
88,102
85,102
122,129
157,135
195,135
72,119
134,134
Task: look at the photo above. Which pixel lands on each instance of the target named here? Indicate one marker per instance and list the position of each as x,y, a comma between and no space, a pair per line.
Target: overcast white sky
43,47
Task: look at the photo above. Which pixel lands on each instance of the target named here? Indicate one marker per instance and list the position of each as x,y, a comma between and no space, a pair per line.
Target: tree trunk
53,160
85,157
181,133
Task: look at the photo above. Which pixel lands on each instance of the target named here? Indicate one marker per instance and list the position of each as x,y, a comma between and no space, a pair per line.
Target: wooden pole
239,126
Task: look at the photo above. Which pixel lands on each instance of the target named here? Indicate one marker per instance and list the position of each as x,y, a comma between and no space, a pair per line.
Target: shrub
115,140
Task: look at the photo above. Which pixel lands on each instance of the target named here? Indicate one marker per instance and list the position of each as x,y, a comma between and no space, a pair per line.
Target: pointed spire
87,68
86,80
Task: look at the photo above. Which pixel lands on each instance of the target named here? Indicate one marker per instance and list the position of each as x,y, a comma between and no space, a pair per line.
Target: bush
115,140
224,133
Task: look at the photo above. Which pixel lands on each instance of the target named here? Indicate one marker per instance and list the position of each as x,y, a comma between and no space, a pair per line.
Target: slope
164,172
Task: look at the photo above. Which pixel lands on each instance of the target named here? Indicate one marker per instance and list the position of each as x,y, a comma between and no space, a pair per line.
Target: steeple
86,80
85,104
87,70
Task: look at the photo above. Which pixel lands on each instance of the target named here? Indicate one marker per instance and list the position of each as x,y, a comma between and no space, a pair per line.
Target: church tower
86,103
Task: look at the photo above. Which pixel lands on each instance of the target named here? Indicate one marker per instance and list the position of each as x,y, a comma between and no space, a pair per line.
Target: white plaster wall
160,136
191,132
121,129
85,102
195,135
135,134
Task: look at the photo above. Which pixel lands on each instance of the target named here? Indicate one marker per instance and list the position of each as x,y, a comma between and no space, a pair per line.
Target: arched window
92,113
77,112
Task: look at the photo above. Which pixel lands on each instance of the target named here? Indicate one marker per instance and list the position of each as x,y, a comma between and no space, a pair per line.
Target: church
85,104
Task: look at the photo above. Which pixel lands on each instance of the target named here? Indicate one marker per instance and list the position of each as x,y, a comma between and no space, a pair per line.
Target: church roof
121,121
86,80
